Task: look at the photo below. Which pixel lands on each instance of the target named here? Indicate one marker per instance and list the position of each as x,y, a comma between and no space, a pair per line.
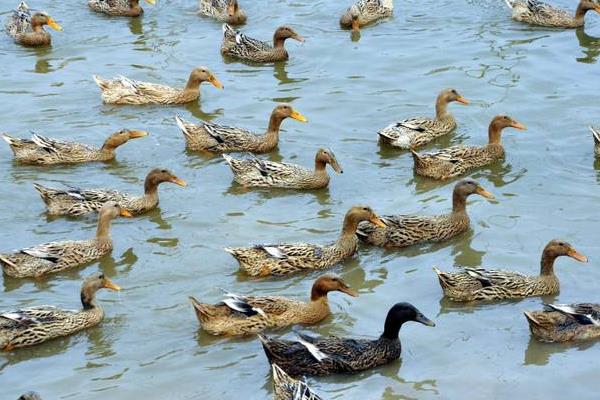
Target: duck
227,11
281,259
245,315
287,388
118,8
364,12
35,325
30,396
214,138
334,355
454,161
418,131
53,257
596,135
480,284
408,230
565,322
254,172
536,12
42,150
27,29
122,90
239,46
76,202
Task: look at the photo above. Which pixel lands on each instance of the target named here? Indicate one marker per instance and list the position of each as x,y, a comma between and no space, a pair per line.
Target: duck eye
164,171
101,276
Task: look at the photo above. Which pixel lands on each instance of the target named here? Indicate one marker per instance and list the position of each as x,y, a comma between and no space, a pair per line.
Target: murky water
149,345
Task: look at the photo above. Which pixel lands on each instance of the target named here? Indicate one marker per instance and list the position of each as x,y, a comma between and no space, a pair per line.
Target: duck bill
108,284
137,134
349,291
336,167
178,181
298,117
519,126
52,24
215,82
482,192
462,100
577,256
424,320
125,213
597,9
375,220
151,2
355,25
298,38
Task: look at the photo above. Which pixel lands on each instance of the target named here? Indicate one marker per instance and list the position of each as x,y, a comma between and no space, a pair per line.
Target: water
149,345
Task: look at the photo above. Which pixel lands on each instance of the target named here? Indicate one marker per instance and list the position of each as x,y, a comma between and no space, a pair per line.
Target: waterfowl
596,135
535,12
480,284
227,11
240,46
57,256
457,160
565,322
75,201
329,355
223,139
280,259
408,230
122,90
27,29
287,388
245,315
120,8
30,396
254,172
31,326
363,12
418,131
43,150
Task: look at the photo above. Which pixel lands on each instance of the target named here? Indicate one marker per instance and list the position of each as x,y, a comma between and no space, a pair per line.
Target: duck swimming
287,388
596,135
119,8
565,322
27,29
536,12
242,47
227,11
364,12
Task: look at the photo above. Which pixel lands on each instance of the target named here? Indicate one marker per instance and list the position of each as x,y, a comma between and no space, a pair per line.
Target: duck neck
192,85
278,42
151,190
459,202
318,294
88,298
320,167
103,229
391,329
494,135
580,13
547,264
274,125
441,109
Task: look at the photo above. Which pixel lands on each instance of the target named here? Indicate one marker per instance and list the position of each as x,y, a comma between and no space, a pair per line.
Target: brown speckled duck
480,284
246,315
458,160
35,325
408,230
118,8
215,138
227,11
53,257
27,29
565,322
43,150
596,135
330,355
242,47
287,388
536,12
122,90
280,259
364,12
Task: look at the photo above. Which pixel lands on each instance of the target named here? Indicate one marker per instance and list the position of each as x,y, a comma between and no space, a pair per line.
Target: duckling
330,355
41,150
280,259
240,46
364,12
53,257
415,132
596,135
285,387
255,172
480,284
35,325
119,8
28,30
408,230
536,12
458,160
245,315
565,322
224,139
227,11
122,90
77,202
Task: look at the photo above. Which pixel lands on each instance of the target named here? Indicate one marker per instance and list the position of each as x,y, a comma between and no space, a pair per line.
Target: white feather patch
313,350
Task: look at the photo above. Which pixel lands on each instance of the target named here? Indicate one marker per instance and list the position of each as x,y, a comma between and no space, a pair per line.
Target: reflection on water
540,353
590,45
136,26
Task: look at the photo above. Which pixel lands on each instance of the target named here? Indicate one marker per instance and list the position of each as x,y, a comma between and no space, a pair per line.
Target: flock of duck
252,315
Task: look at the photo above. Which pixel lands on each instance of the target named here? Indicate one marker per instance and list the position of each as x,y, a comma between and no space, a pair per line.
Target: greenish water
149,345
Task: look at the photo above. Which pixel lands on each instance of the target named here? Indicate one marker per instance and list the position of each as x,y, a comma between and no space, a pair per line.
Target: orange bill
215,82
52,24
377,221
519,126
108,284
125,213
298,117
151,2
577,255
482,192
178,181
462,100
137,134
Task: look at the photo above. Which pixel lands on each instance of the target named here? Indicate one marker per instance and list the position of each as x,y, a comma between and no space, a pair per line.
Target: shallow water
149,345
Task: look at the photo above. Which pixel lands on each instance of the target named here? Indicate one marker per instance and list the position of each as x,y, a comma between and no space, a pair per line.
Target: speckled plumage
457,160
280,259
254,172
536,12
408,230
418,131
480,284
43,150
27,29
35,325
565,322
227,11
367,11
287,388
596,136
329,355
119,8
237,45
